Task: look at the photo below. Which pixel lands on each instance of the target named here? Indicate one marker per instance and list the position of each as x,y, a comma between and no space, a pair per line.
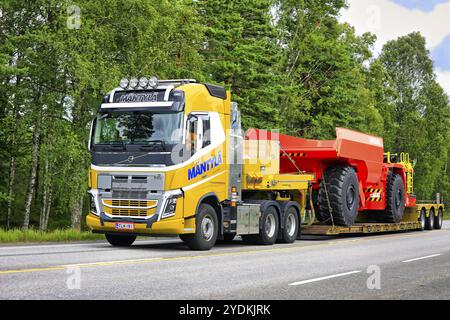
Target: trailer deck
360,228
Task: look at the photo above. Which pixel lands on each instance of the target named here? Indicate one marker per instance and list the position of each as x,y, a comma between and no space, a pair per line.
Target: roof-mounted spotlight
153,82
124,83
143,82
134,83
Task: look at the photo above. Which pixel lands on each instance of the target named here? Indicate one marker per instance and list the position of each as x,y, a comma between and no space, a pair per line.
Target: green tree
325,71
420,109
241,51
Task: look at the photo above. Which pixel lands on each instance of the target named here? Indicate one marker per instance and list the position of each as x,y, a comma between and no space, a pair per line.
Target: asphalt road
412,265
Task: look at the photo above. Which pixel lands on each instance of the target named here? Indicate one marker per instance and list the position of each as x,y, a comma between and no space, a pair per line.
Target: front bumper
162,227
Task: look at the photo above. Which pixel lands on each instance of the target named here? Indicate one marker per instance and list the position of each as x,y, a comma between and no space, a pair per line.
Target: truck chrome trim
128,207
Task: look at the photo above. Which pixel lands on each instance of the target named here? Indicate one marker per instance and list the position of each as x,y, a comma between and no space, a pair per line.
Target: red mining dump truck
357,187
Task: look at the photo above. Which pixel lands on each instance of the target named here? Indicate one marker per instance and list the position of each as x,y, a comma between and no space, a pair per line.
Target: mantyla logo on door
206,166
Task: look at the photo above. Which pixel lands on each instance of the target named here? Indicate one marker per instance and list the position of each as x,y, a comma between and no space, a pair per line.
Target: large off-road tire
291,225
439,219
206,229
429,221
343,195
395,199
120,240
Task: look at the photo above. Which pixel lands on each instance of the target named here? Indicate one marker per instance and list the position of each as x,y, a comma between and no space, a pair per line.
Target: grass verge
60,235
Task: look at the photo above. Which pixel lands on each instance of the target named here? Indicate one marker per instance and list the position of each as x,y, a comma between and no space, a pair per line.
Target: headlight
171,207
93,206
143,82
153,82
134,83
124,83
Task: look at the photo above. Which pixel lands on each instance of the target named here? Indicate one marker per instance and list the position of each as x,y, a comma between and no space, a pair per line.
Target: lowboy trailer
170,158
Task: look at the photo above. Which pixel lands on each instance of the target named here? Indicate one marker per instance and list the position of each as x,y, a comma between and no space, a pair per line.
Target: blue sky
441,53
424,5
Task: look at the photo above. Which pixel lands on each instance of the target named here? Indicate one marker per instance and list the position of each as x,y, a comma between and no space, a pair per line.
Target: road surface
412,265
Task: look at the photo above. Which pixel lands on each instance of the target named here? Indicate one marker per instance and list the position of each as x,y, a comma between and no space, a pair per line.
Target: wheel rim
350,197
270,225
291,224
207,228
432,219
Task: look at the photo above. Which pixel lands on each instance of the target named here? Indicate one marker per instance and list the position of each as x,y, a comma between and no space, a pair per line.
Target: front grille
131,203
130,208
129,212
122,194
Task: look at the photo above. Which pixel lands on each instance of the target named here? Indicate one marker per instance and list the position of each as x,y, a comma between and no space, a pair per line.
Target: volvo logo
130,159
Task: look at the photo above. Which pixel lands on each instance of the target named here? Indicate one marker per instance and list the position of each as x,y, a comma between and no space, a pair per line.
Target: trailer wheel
206,229
343,195
439,220
269,226
291,225
120,240
395,199
422,220
429,221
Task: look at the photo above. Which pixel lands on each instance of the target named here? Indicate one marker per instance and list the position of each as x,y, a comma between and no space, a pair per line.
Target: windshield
138,128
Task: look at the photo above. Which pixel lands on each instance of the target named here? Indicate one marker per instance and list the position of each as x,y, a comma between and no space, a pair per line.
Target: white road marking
325,278
422,258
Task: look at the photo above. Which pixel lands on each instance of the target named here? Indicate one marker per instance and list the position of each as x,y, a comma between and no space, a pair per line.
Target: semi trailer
169,157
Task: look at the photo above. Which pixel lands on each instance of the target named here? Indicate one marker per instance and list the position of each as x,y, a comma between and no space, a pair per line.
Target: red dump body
363,152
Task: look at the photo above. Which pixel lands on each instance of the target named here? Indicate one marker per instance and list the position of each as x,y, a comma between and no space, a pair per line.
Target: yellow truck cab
169,158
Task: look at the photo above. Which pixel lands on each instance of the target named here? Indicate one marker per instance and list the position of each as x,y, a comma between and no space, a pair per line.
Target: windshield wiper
117,144
154,145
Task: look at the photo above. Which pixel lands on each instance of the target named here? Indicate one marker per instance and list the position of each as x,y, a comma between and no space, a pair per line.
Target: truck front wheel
206,229
120,240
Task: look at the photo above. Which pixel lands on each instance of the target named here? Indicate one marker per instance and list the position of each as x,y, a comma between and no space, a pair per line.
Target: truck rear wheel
395,199
291,225
439,220
206,229
429,221
343,196
120,240
269,227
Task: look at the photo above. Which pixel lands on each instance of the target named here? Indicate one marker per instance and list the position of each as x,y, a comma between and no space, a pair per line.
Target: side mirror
90,135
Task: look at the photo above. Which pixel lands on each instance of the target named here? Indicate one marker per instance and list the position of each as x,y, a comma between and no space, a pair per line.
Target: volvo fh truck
169,157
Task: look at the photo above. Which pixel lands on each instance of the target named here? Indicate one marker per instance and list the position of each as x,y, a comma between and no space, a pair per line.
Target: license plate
124,226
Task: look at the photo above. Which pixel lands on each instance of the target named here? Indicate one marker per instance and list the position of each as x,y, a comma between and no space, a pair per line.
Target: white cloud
443,78
389,21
